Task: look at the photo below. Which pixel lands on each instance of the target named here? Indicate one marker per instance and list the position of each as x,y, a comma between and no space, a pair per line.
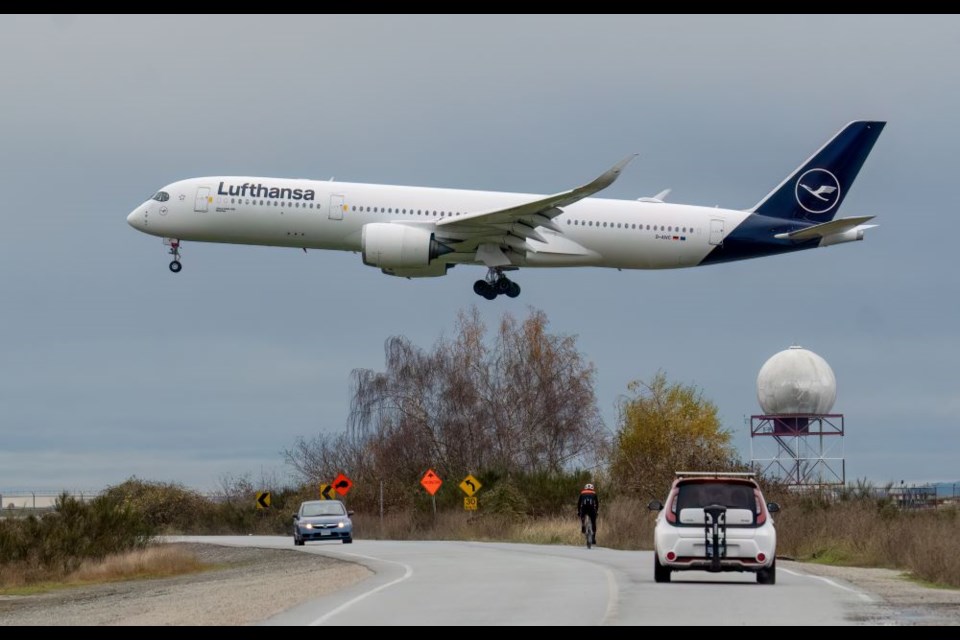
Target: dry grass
152,562
15,577
623,524
868,533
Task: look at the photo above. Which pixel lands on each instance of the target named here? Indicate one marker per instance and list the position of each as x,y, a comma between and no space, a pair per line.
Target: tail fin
815,190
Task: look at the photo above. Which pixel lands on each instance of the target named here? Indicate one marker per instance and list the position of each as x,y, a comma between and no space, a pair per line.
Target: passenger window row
631,225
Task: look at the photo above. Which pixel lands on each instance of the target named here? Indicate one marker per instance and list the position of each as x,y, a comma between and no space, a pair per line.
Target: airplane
420,232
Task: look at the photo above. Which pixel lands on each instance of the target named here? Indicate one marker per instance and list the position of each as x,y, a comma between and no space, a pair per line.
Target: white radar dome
796,381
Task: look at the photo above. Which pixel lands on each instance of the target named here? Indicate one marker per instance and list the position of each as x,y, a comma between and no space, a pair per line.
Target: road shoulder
892,598
253,585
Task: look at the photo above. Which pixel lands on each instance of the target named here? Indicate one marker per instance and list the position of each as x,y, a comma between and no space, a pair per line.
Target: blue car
322,520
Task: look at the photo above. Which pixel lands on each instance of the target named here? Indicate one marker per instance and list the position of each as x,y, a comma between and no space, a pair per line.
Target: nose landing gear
496,284
175,265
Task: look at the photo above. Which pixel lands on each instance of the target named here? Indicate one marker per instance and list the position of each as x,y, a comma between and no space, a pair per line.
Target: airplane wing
826,229
489,233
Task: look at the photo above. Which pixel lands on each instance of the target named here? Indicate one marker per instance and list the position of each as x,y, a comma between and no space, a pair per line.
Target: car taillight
761,507
671,556
761,557
671,514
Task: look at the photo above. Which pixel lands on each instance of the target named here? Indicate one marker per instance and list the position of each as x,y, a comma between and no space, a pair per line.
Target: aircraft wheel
514,290
175,266
485,289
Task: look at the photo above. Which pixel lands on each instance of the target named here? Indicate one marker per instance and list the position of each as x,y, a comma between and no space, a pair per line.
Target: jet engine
399,246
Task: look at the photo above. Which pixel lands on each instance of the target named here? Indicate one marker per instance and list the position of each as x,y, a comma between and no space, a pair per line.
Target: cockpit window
161,196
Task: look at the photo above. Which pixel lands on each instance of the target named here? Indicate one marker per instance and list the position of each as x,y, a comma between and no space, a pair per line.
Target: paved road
472,583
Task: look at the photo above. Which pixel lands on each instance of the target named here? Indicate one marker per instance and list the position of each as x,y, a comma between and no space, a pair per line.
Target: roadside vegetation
517,411
154,561
52,546
857,528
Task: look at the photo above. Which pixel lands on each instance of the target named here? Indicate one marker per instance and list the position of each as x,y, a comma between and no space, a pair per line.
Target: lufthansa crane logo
818,191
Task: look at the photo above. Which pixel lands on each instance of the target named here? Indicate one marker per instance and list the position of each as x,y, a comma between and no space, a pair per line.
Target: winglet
611,174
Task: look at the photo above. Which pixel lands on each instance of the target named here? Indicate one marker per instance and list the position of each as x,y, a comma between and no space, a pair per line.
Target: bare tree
523,402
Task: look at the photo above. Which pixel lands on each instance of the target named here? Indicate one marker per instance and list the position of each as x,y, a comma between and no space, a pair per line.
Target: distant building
918,497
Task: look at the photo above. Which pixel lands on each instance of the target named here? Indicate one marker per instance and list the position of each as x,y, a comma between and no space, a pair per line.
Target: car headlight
341,524
308,526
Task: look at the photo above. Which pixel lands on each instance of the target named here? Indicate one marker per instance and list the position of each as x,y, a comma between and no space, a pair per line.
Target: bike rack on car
715,534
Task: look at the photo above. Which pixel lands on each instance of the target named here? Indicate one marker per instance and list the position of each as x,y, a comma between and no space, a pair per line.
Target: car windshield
702,494
322,509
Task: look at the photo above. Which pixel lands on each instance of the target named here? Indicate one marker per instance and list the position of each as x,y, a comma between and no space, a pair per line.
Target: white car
715,522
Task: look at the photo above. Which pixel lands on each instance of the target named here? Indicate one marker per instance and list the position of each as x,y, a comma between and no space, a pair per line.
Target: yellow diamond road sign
470,504
327,492
470,485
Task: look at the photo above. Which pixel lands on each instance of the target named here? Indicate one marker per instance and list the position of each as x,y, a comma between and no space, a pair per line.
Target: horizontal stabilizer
826,229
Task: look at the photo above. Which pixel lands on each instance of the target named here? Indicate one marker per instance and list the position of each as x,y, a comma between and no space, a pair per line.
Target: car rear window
697,495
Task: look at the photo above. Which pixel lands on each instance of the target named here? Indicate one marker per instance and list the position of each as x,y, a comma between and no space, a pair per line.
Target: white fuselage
313,214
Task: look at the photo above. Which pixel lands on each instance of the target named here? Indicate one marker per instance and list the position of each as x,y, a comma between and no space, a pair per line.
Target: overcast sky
112,367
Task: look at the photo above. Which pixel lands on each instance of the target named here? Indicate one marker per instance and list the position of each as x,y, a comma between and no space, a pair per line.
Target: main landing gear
175,266
496,284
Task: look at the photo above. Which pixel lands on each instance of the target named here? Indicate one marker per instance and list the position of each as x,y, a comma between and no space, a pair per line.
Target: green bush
73,532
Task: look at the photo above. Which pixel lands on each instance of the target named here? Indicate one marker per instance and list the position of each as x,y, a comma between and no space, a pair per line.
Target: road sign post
431,482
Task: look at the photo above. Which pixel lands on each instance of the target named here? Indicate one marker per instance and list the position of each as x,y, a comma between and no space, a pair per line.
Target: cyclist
588,505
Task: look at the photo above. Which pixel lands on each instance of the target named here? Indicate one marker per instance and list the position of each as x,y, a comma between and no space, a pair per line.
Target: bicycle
588,530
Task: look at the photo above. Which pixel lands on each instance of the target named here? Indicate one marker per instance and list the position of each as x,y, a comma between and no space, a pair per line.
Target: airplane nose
135,219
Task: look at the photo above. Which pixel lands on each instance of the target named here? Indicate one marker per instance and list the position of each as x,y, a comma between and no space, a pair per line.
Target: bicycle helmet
589,487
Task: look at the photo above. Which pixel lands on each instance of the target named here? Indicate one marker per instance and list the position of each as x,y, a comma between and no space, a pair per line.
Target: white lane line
613,594
408,571
860,594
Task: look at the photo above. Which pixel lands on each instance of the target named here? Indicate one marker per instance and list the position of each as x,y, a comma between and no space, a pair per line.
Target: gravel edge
253,585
